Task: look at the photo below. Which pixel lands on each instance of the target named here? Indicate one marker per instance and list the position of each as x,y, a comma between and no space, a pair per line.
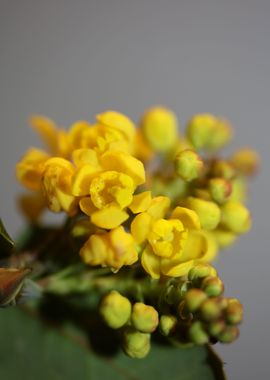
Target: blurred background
70,60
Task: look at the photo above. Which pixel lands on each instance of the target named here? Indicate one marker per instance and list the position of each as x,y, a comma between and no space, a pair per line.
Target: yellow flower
173,246
159,126
30,169
56,185
112,188
113,249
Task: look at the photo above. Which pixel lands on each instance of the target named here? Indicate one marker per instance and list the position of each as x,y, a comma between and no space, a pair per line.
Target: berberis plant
146,210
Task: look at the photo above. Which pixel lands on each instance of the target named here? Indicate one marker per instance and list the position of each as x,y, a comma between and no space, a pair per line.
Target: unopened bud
234,312
197,334
115,309
220,189
210,309
223,169
208,212
188,165
224,238
136,344
246,161
159,127
220,136
144,317
213,286
236,217
194,298
167,324
229,334
200,128
215,328
200,271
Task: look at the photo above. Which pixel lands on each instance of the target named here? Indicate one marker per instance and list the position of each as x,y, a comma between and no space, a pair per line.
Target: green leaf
31,350
6,242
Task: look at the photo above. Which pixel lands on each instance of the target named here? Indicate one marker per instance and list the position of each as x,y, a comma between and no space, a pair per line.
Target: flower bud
220,136
210,310
188,165
136,344
224,238
159,126
200,128
246,161
235,217
167,324
234,312
220,189
215,328
200,271
194,298
223,169
197,334
213,286
208,212
115,309
229,334
144,317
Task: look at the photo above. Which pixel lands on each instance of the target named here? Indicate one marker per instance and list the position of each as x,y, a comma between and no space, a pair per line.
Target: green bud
136,344
215,328
200,128
210,309
200,271
236,217
115,309
213,286
220,189
144,317
167,324
197,334
208,212
229,334
234,312
188,165
223,169
194,298
183,311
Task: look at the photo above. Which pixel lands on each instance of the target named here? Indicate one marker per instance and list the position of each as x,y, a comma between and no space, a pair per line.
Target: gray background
72,59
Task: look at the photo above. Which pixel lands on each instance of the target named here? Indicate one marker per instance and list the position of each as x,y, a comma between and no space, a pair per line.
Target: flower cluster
147,197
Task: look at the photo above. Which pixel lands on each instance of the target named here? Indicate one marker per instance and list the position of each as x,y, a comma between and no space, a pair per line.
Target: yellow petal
126,164
85,156
119,122
47,130
109,217
87,206
151,262
141,202
188,217
140,227
82,180
175,267
95,250
158,207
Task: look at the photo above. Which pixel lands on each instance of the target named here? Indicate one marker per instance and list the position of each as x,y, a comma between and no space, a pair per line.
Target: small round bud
200,128
220,189
167,324
159,126
229,334
208,212
215,328
236,217
223,169
210,309
220,136
197,334
144,317
194,298
188,165
234,312
213,286
200,271
136,344
224,238
115,309
246,161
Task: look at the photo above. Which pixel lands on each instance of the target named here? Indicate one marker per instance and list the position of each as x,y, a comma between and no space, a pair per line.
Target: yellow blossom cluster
148,193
